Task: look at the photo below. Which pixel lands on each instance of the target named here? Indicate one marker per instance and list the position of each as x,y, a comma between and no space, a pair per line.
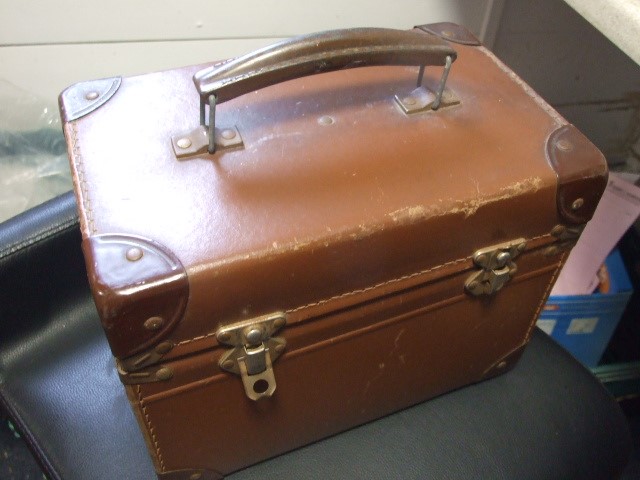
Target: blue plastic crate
584,324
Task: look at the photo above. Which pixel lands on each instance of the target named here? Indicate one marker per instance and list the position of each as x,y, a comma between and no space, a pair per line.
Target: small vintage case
292,246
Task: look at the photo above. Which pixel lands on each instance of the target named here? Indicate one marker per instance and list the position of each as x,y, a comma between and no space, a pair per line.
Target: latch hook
254,351
496,267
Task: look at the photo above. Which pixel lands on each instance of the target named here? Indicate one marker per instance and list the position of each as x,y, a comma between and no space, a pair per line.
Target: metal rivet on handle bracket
422,99
184,143
228,134
196,141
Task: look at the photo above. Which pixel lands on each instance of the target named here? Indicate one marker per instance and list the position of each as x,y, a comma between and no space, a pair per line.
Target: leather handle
318,53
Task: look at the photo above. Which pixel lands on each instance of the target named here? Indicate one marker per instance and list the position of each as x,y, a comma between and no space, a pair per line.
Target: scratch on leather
467,207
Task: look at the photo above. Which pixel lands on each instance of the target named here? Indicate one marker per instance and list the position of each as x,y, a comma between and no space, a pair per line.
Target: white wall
48,45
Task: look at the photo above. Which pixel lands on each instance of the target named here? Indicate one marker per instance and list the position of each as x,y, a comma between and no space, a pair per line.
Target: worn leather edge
582,173
451,32
140,289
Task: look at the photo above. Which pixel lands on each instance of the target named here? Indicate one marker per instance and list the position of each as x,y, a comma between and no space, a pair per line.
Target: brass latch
496,267
255,350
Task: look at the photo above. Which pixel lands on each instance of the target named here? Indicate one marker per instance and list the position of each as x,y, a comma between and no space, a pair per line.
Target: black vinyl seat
548,418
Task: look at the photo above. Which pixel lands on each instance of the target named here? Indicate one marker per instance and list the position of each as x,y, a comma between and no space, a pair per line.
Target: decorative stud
326,120
163,348
153,323
564,145
164,373
134,254
577,204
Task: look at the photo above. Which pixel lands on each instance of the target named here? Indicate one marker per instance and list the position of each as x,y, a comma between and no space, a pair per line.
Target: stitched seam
343,295
362,290
82,183
378,285
544,299
154,438
50,231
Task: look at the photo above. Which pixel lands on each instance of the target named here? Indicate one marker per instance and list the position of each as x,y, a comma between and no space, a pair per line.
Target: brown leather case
278,255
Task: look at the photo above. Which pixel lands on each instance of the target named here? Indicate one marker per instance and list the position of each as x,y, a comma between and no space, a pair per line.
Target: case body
348,232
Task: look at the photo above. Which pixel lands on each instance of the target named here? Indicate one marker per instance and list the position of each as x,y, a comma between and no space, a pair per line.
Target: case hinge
254,351
496,267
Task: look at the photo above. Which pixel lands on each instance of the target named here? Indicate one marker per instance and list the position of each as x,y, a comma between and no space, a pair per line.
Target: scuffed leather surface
546,419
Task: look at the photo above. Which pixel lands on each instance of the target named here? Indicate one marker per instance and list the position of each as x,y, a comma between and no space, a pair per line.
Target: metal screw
224,337
92,95
134,254
153,323
502,364
325,120
279,348
164,347
577,204
164,373
184,143
481,259
228,134
253,335
503,258
558,230
409,101
552,250
564,145
228,364
279,323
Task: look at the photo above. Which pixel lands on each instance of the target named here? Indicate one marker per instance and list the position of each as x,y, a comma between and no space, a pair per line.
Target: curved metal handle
317,53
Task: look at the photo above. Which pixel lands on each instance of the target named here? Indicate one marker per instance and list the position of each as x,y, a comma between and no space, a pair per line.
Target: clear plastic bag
33,157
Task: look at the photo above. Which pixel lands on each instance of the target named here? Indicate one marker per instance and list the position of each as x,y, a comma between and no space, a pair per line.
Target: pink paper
617,211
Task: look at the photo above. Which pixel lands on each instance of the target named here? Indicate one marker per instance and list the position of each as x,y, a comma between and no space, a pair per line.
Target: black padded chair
548,418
